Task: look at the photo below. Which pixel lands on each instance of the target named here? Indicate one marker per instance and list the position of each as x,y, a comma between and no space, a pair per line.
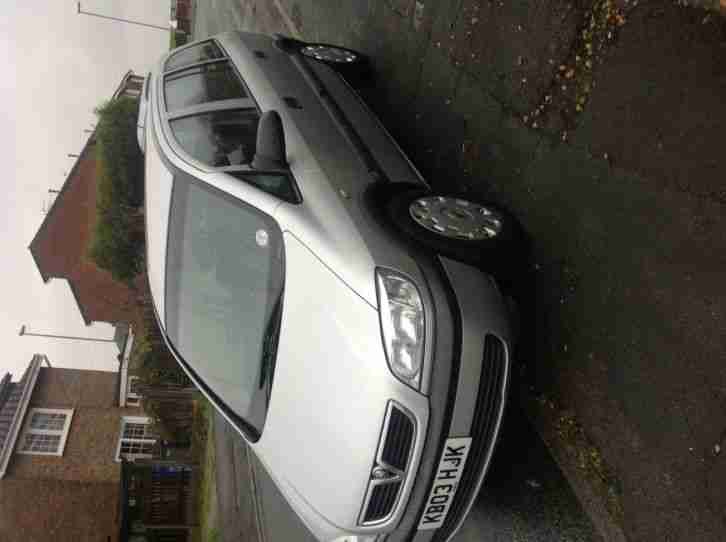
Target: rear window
201,84
207,50
218,138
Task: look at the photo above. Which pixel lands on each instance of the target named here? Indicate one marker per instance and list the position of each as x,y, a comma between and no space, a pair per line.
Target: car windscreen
224,283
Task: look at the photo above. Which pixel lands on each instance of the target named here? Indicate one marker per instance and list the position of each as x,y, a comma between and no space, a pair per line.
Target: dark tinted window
219,138
191,55
278,184
200,84
224,283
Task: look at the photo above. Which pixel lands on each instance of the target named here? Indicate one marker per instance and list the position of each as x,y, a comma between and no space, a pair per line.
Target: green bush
117,243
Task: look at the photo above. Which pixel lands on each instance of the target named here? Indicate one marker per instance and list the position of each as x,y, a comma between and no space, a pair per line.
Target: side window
191,55
201,84
219,138
46,431
278,184
136,439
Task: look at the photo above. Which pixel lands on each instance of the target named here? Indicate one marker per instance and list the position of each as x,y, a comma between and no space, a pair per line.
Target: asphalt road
525,497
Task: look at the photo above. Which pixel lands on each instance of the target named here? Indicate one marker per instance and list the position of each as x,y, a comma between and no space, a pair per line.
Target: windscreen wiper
269,345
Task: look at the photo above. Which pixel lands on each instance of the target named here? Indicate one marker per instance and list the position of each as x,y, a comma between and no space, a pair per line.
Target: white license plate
446,482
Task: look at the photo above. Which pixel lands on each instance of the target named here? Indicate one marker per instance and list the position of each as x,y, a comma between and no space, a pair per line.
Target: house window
136,440
46,431
133,397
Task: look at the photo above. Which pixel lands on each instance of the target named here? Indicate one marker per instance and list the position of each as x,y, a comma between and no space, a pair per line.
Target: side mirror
270,152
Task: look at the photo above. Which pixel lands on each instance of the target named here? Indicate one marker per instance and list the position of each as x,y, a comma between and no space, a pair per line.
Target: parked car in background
329,304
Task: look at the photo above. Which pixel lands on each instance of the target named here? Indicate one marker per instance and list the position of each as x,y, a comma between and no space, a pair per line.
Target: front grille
383,497
398,439
490,402
389,470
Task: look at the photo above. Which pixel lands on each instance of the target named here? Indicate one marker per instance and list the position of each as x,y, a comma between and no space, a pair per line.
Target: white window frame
132,399
132,419
63,433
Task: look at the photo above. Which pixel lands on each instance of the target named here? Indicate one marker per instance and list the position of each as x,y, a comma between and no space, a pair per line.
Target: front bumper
468,307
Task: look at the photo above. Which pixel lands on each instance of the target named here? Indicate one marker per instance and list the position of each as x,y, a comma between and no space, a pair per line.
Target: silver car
328,303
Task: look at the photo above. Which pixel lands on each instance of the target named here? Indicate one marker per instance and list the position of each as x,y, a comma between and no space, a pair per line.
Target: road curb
567,442
259,513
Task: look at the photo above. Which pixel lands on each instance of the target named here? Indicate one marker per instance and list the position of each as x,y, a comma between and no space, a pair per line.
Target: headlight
402,325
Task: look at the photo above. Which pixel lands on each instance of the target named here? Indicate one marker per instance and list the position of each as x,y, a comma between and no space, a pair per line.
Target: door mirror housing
270,152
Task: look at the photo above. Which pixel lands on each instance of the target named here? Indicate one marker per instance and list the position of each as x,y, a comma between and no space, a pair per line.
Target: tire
497,248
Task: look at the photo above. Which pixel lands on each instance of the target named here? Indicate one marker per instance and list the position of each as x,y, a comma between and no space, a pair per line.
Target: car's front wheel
478,233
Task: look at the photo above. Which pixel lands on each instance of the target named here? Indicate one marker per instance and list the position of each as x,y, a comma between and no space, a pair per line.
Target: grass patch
203,449
202,427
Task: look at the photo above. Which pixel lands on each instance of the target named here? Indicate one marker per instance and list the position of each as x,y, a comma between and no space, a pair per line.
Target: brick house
60,245
79,460
181,11
63,435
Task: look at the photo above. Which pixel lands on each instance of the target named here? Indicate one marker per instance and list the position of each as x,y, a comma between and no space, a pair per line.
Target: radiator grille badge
379,473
